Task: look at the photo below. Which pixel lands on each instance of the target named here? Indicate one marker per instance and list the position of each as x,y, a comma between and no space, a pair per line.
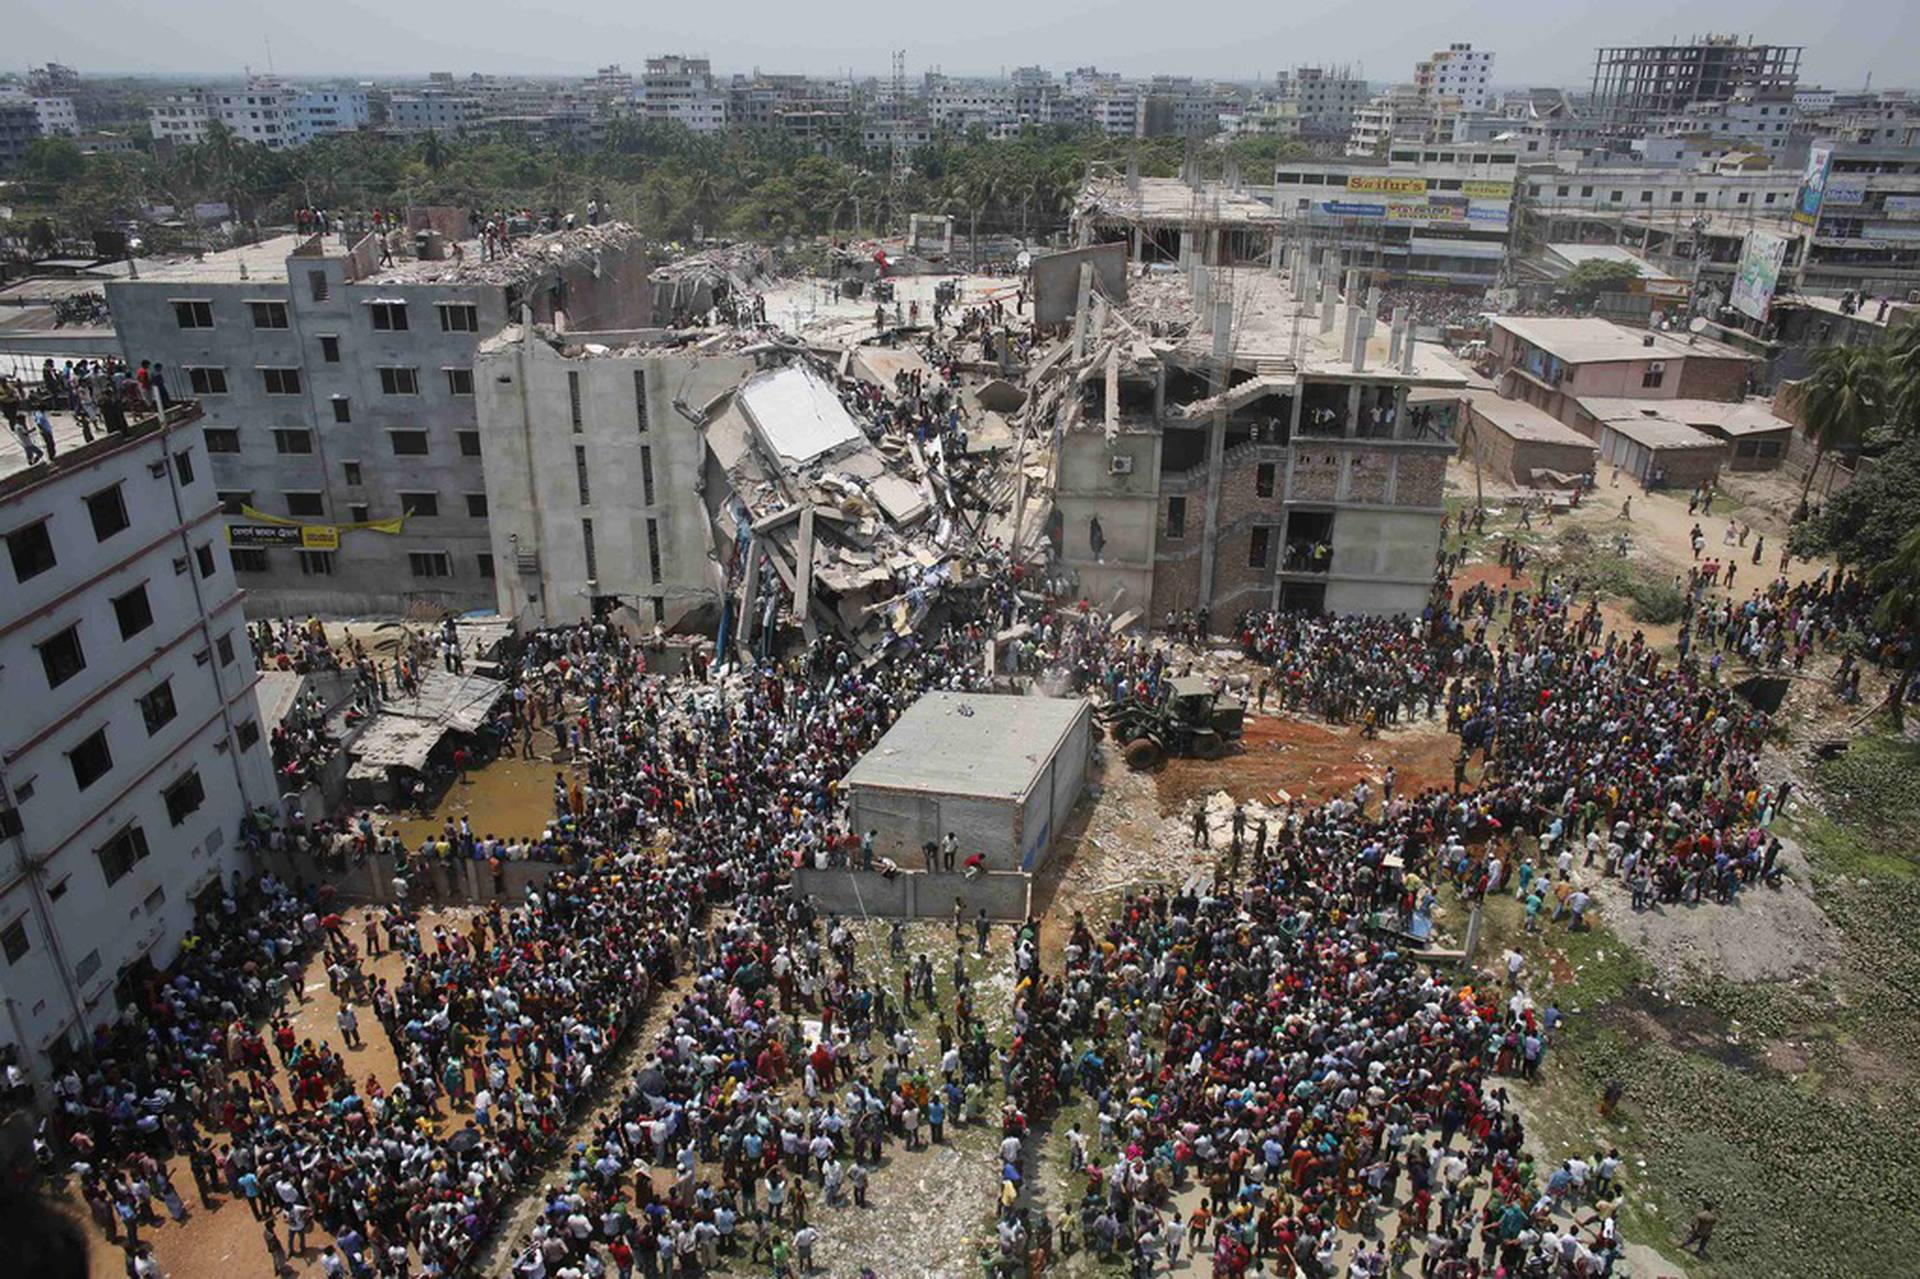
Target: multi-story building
131,754
1458,72
1746,120
680,90
1115,110
19,127
339,401
55,117
1400,114
594,474
433,111
265,111
959,105
1179,106
1327,98
1634,85
1860,206
1433,214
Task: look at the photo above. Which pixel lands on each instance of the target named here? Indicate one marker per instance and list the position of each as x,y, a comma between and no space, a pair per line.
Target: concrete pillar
1353,411
1203,298
1139,241
1222,328
1216,466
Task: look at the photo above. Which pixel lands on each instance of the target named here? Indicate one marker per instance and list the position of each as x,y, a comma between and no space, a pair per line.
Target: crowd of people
103,395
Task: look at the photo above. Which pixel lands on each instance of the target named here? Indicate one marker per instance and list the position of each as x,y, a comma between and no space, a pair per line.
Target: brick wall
1368,471
1422,478
1712,378
1316,474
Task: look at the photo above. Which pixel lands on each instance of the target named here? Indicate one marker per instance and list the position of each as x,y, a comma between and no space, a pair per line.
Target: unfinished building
1174,219
1242,436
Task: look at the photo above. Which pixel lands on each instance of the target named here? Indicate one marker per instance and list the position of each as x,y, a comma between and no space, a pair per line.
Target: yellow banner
1391,186
325,537
1488,190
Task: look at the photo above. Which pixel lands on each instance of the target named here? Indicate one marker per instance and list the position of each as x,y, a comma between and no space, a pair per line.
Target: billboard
1813,186
1846,188
1389,186
309,537
1758,274
1483,190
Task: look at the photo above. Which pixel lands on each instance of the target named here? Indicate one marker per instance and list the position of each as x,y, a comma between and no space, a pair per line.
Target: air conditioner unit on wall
1120,464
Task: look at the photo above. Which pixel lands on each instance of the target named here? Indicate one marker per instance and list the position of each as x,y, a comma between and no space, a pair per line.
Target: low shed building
1644,441
1520,444
1000,772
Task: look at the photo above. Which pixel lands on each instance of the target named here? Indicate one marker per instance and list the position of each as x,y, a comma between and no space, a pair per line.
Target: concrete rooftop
265,261
984,744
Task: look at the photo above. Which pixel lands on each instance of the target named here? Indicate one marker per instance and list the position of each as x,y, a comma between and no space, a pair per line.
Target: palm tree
1841,400
1897,579
1903,375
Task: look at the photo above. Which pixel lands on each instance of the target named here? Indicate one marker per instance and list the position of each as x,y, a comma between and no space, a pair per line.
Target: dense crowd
103,395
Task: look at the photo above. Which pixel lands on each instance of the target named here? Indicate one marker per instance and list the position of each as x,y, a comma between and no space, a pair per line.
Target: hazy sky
1537,41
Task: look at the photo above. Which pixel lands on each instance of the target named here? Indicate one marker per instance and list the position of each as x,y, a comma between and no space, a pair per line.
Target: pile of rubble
529,258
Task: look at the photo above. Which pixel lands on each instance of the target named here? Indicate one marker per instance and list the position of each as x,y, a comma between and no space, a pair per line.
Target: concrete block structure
1553,363
1001,773
131,751
339,395
1517,443
593,476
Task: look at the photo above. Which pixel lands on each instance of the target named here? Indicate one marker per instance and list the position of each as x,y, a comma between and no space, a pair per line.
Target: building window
281,381
233,500
90,759
408,443
203,556
1257,547
580,471
222,439
183,467
342,409
389,317
469,444
420,503
14,940
1653,375
350,472
429,564
248,732
269,315
304,503
459,317
1263,480
133,612
459,381
317,286
62,657
108,511
157,707
31,550
119,855
330,349
640,398
247,559
316,563
573,399
586,542
289,440
224,646
155,900
395,381
653,550
206,381
646,474
193,315
477,505
485,565
360,513
1176,518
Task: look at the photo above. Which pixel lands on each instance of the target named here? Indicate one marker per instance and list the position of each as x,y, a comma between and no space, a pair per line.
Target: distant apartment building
1554,363
339,402
54,117
1763,124
1179,106
1459,72
1425,214
19,127
1327,98
265,111
1860,207
441,111
131,753
594,473
680,90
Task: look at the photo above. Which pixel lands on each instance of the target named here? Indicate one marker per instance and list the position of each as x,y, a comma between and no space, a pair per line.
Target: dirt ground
225,1239
1311,762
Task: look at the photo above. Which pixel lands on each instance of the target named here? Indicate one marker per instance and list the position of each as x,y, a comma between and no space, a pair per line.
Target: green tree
1897,580
1903,376
1590,279
55,160
1843,398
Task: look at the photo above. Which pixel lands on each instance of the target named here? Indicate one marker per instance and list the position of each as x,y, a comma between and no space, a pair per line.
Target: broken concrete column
1222,328
1397,334
1406,350
1346,334
1326,308
1362,333
1203,298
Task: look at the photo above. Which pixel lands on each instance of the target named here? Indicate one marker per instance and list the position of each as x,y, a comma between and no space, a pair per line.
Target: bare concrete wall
915,894
1056,280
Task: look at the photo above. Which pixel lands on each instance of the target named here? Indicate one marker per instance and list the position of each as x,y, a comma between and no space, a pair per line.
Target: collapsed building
1227,435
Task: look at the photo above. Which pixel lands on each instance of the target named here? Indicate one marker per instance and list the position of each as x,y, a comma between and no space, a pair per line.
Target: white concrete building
180,118
680,90
1457,71
266,111
594,476
432,111
131,751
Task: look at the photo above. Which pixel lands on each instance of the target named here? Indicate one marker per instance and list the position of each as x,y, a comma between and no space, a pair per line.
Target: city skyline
1846,41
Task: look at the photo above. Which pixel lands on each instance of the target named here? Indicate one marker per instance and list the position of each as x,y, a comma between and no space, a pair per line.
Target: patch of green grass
1837,849
1592,564
1871,797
